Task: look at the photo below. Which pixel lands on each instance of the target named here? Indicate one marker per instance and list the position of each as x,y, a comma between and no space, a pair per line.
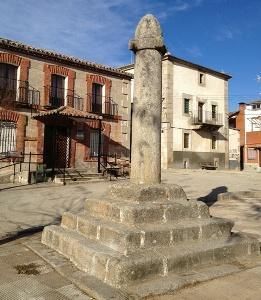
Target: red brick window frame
62,71
22,63
106,130
90,79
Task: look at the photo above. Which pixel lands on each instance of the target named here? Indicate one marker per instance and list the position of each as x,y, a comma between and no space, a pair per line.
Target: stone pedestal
142,233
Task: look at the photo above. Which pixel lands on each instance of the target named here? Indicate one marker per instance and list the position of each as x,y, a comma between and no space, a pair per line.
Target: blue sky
221,34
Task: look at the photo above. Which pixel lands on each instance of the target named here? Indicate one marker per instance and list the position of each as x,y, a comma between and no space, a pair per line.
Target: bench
208,166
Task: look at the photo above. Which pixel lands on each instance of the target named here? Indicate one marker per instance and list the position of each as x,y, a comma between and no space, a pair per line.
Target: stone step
120,270
78,175
160,212
127,239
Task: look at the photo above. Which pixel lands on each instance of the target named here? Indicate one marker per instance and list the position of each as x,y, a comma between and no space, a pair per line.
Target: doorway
57,146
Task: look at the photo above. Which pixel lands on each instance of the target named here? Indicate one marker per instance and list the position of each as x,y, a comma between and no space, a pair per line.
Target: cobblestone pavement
25,276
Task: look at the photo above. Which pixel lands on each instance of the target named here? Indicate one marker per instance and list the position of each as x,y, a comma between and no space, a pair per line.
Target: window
200,111
214,142
97,97
57,90
214,111
94,143
251,153
186,105
7,137
8,81
202,79
186,140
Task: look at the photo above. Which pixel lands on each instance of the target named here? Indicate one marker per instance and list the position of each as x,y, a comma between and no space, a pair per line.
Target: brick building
248,120
62,108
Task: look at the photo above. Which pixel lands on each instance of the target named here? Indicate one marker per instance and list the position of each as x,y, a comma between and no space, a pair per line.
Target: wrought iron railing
55,96
77,102
207,117
59,97
12,90
101,105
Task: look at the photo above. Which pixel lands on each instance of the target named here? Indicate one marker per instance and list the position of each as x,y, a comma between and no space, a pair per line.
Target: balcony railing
55,96
101,105
77,102
59,97
12,90
207,118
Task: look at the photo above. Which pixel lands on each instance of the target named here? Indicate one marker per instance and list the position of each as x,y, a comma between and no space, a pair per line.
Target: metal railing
77,102
207,117
59,97
17,159
55,95
101,105
12,90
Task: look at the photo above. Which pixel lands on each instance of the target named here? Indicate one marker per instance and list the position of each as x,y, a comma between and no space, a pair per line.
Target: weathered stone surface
130,213
145,229
147,101
148,192
119,270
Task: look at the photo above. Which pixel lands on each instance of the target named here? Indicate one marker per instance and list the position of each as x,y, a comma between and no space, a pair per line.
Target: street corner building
247,121
62,111
194,131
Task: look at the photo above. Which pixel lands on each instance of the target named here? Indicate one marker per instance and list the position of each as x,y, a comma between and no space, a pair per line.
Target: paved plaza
34,206
24,275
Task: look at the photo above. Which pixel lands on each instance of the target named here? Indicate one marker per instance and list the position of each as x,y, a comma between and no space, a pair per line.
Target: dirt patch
28,269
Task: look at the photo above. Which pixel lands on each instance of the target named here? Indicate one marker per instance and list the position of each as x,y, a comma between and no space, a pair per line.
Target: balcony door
8,82
57,91
200,112
97,98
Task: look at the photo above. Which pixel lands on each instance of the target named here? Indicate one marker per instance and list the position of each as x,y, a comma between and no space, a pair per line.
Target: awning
66,111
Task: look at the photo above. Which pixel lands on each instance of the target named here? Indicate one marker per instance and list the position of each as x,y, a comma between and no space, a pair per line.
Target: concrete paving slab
24,275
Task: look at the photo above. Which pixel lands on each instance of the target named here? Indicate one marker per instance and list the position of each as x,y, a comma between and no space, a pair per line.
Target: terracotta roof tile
18,46
69,112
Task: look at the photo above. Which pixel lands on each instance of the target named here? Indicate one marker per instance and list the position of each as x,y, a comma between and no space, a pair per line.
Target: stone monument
145,238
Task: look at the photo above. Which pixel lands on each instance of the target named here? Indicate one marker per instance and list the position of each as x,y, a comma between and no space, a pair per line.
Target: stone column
149,48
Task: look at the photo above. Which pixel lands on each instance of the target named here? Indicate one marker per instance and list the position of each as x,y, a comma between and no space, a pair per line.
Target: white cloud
258,78
182,5
227,33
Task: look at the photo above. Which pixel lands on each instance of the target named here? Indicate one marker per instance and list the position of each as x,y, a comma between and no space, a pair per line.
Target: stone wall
193,160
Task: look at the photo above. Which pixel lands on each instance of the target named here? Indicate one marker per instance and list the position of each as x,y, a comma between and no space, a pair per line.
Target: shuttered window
7,137
186,106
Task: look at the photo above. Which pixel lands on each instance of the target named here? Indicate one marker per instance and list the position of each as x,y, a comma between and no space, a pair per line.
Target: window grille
7,137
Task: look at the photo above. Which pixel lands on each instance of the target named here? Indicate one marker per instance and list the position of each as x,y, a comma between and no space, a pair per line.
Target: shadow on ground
212,197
